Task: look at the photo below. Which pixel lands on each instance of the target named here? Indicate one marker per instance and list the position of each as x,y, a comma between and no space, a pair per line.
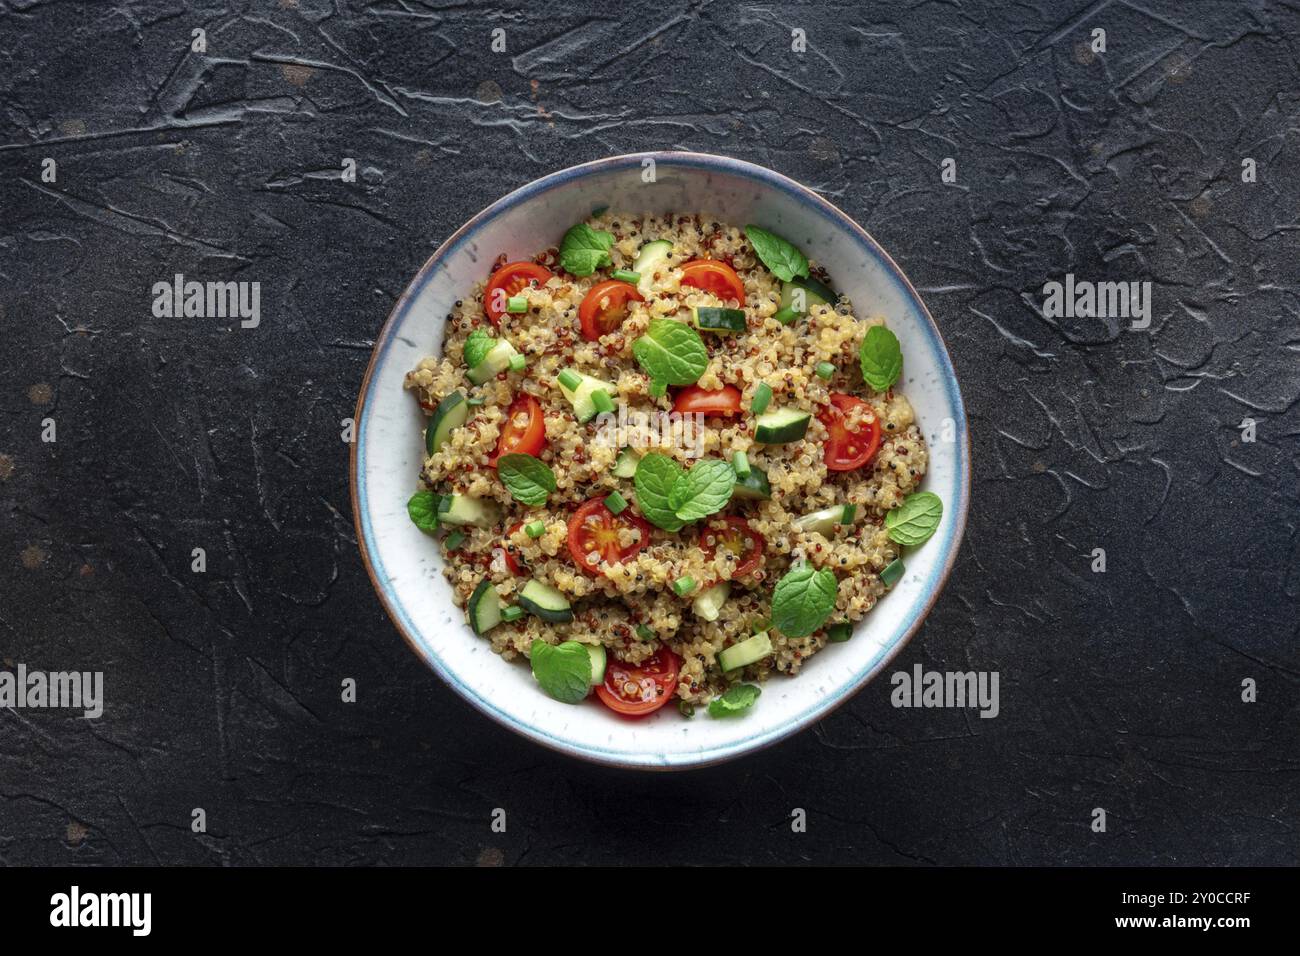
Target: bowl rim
821,707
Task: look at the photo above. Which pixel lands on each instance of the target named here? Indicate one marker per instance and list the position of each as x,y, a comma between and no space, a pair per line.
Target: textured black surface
1119,690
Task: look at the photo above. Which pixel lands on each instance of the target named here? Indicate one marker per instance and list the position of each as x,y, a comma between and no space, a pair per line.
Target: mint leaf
737,699
656,475
702,491
563,671
672,353
583,250
477,346
881,358
527,479
915,519
423,509
782,257
803,600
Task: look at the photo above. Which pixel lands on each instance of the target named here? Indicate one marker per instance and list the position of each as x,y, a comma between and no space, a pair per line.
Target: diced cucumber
745,653
823,521
484,608
464,510
892,573
754,485
781,425
814,293
652,256
542,600
626,462
712,319
579,396
708,603
597,654
451,413
493,364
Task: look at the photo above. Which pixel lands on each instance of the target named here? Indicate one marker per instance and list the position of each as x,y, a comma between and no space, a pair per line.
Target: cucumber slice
652,256
626,462
493,364
484,608
712,319
542,600
584,408
708,603
745,653
781,425
814,293
451,413
754,485
597,654
464,510
823,521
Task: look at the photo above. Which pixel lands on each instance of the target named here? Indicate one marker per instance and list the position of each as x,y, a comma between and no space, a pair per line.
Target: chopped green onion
762,398
455,540
512,613
850,514
615,502
786,316
535,529
517,363
644,633
517,303
600,398
825,370
476,400
740,464
839,633
685,708
684,585
761,625
893,572
626,275
444,504
570,379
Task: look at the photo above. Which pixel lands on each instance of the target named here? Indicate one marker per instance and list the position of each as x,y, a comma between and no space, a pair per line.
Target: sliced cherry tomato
635,690
736,536
719,401
716,277
513,564
524,431
604,308
594,529
511,279
846,450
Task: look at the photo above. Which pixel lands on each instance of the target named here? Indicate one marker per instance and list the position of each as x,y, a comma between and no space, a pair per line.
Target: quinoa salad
666,461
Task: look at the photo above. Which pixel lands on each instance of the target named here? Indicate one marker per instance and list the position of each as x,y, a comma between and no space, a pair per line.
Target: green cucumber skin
712,319
753,486
530,600
480,612
780,427
452,412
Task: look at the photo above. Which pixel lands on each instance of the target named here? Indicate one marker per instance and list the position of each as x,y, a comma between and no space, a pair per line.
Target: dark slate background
1120,690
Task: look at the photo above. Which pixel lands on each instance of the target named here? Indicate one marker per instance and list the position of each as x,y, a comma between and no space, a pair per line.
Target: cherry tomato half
604,308
594,530
736,536
716,277
719,401
511,279
514,565
524,431
846,450
635,690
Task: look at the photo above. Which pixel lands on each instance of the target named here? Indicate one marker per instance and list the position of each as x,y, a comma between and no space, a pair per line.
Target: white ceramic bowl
406,564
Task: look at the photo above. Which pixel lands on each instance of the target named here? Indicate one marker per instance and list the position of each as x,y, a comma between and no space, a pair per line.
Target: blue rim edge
822,705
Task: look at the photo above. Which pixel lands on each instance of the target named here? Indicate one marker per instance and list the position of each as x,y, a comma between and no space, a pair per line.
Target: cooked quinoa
608,606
